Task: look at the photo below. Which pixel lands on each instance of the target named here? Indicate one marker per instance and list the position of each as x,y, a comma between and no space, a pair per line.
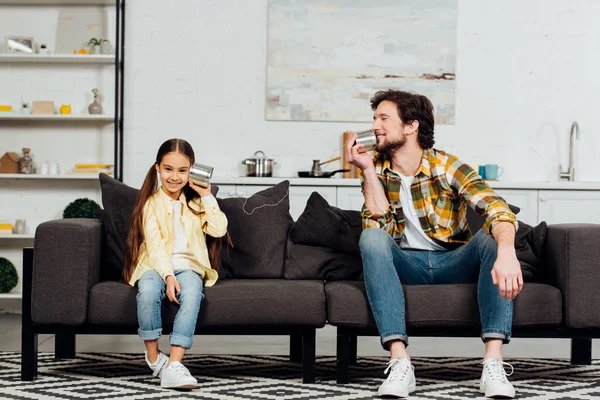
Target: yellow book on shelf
5,108
79,166
6,226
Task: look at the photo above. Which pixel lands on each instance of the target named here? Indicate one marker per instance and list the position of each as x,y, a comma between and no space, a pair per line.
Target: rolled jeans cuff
150,335
177,339
395,336
487,335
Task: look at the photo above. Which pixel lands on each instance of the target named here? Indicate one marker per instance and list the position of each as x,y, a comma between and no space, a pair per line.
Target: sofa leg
308,356
296,347
344,344
29,339
64,345
581,351
353,349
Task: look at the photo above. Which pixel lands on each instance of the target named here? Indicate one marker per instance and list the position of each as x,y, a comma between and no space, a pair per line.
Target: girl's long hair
135,236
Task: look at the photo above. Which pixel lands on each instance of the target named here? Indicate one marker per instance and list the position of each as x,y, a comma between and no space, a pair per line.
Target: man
415,232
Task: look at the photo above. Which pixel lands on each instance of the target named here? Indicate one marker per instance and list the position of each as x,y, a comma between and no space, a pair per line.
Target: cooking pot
259,165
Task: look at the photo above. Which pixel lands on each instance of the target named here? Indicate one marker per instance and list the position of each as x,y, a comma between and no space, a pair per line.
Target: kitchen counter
243,180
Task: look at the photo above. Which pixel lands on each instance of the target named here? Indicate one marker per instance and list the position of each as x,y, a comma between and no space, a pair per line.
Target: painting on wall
325,59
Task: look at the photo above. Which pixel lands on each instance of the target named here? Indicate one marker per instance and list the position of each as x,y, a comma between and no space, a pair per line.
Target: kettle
259,166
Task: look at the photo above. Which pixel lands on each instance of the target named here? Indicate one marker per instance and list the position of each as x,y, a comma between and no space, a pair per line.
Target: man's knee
374,240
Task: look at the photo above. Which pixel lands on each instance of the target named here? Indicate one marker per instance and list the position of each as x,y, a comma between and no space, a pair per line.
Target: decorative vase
95,107
107,48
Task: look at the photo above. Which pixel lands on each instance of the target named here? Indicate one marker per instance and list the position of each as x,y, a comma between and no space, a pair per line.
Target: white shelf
57,2
15,296
56,117
17,236
57,58
90,177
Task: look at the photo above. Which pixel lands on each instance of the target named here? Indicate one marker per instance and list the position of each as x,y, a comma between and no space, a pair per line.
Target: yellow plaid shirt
442,189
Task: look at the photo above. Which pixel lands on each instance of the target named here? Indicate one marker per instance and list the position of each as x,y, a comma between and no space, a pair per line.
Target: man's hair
411,107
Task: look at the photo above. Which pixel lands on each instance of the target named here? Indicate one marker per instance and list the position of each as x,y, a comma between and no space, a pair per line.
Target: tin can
201,174
367,139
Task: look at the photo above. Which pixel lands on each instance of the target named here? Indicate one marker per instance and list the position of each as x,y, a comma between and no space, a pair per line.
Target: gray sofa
291,278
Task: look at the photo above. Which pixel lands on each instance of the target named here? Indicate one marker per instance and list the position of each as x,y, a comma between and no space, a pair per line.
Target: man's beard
390,147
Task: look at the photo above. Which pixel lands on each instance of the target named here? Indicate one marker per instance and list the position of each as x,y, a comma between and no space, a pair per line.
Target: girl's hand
199,189
172,286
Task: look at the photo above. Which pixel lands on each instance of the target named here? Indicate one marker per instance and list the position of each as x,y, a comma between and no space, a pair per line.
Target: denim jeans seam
178,339
149,335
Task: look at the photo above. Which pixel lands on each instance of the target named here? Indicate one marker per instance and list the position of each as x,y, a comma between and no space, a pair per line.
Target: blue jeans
387,267
151,293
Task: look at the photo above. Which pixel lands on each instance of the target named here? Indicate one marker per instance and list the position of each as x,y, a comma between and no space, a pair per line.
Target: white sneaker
401,380
157,366
493,379
176,376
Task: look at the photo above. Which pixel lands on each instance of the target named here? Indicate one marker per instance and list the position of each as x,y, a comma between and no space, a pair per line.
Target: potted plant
95,42
25,108
43,48
81,208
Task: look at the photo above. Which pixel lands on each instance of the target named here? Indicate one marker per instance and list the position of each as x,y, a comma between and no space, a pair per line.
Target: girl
167,254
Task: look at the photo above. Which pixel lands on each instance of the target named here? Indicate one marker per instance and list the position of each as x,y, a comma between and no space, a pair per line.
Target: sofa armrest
572,259
66,265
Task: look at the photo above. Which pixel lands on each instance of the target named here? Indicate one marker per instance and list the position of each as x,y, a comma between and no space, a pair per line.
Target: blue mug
493,171
482,171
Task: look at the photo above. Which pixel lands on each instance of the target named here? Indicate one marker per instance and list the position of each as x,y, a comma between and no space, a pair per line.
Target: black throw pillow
118,200
258,228
327,226
323,243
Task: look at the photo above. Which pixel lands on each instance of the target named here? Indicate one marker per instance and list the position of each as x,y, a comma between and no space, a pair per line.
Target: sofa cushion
444,305
233,302
323,243
323,263
323,225
118,201
258,229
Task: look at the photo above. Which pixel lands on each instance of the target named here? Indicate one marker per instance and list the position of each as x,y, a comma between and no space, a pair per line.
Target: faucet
569,175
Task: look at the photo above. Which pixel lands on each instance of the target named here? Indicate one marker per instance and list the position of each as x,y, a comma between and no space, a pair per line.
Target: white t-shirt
414,237
180,255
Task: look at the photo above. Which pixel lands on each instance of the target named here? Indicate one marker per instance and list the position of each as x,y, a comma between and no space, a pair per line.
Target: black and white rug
126,376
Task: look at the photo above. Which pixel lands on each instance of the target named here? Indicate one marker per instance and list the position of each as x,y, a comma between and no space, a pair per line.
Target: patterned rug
126,376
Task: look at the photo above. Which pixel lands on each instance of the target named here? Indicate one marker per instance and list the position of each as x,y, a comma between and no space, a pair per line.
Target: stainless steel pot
259,166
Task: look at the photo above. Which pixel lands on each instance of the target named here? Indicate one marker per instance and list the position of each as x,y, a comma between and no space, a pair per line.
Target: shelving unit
69,139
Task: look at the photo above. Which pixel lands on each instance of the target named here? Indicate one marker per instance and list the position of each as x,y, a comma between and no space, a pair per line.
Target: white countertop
243,180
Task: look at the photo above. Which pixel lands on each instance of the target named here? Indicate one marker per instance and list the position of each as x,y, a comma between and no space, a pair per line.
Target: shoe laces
179,369
495,369
398,368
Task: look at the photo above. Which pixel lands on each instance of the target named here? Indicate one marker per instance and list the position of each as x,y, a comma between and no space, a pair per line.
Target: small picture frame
19,44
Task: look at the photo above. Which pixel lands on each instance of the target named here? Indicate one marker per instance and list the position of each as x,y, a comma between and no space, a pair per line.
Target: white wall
525,71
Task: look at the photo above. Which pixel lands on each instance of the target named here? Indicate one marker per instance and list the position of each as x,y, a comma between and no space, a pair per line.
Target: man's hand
507,275
199,189
172,286
360,160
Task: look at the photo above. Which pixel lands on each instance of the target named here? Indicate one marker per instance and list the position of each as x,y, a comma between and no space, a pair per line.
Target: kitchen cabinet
569,206
526,200
350,198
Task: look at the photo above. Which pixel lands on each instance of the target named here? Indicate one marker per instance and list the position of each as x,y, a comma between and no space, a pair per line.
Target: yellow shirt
155,252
